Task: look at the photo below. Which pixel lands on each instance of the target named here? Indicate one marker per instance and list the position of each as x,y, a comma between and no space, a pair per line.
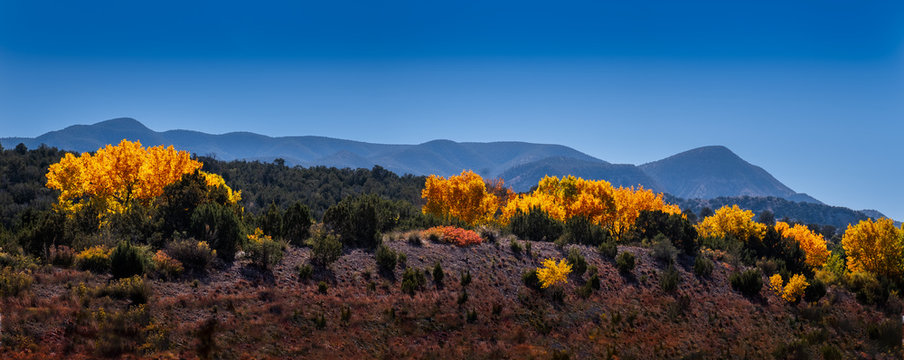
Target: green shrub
472,316
625,262
663,250
830,352
412,281
608,249
131,288
867,288
305,271
669,278
438,275
271,221
675,227
530,279
360,219
13,282
577,261
463,297
888,333
297,223
515,246
322,287
127,260
325,247
264,251
581,230
535,225
194,255
345,315
386,258
465,278
749,282
703,266
815,291
220,226
594,281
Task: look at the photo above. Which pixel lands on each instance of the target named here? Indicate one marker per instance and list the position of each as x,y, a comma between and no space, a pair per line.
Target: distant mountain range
703,173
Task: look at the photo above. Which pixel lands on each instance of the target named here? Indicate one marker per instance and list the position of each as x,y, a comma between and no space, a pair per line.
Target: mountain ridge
705,172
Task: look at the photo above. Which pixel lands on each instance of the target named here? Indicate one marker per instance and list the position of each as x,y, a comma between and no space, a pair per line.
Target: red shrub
455,235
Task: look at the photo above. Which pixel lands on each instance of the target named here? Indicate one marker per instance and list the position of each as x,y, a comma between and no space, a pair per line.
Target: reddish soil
248,313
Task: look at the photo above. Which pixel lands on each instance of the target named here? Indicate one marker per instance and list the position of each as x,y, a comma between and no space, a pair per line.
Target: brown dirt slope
241,312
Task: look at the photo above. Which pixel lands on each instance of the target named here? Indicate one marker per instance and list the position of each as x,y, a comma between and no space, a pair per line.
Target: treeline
318,187
806,213
22,181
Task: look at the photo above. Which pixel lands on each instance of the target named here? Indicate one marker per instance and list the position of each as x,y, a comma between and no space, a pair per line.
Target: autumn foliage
114,176
791,292
731,222
813,244
615,209
875,247
552,273
463,197
454,235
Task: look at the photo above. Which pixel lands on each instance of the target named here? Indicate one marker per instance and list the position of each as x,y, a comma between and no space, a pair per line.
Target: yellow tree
463,196
565,198
876,247
813,244
629,203
731,222
114,176
552,273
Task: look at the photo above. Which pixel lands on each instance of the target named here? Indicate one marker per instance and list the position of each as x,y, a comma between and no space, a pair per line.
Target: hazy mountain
706,172
523,177
714,171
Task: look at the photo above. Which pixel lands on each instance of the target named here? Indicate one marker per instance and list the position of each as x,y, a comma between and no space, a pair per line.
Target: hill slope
238,311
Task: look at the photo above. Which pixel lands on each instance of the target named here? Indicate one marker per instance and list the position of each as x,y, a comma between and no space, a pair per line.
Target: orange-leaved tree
463,197
731,222
813,244
115,176
875,247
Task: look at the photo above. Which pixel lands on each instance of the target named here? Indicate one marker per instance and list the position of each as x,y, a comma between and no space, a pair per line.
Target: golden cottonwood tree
114,176
565,198
630,202
611,208
731,221
463,197
875,247
813,244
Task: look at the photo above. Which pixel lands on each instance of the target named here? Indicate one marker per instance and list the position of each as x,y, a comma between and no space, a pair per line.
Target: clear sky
810,90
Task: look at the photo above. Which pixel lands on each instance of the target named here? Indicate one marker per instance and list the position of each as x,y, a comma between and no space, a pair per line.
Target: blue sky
809,90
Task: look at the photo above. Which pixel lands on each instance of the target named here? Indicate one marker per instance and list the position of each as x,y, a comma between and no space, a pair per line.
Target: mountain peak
712,171
122,124
711,153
